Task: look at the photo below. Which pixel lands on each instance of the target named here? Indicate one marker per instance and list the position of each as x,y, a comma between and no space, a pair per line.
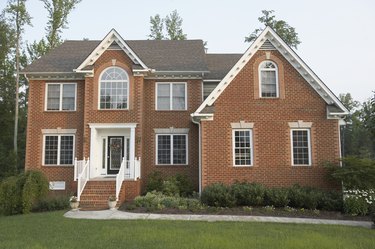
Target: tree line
358,135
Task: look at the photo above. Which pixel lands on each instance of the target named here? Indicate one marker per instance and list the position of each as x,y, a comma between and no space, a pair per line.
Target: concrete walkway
120,215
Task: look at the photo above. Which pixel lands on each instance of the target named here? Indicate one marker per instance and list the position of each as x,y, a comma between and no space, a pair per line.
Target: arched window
268,77
114,89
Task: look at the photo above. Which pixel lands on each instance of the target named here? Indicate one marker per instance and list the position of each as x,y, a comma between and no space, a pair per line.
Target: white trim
61,96
103,46
58,149
300,124
59,131
171,148
242,125
171,130
234,147
111,125
170,95
260,70
127,88
309,144
292,58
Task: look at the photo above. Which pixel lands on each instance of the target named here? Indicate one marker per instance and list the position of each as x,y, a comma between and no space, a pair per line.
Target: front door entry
115,154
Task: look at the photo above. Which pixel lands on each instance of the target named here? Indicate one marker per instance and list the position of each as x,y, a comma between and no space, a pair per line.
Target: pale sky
337,36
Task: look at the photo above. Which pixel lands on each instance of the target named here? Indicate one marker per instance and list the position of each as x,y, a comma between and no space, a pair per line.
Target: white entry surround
98,131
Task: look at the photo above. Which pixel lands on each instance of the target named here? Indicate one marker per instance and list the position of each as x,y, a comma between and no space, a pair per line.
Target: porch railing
128,170
78,167
83,177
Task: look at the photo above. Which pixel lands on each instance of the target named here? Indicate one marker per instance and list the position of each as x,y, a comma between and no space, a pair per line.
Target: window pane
53,97
300,147
68,97
66,150
242,147
114,89
178,92
50,150
179,149
268,83
208,87
163,98
164,149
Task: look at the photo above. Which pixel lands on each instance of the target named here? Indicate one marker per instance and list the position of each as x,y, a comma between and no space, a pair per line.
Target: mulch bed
256,211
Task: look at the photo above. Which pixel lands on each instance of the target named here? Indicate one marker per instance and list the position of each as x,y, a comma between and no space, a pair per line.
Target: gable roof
269,35
220,64
161,55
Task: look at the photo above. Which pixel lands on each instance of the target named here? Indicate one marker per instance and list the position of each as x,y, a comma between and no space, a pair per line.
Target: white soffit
111,37
289,55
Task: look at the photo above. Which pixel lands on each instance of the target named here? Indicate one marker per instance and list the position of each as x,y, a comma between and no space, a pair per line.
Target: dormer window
114,89
268,77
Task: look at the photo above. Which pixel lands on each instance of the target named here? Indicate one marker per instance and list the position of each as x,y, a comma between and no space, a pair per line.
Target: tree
19,17
368,115
168,28
157,24
58,11
282,28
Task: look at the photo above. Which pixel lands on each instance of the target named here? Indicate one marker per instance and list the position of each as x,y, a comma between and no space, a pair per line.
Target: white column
92,172
132,151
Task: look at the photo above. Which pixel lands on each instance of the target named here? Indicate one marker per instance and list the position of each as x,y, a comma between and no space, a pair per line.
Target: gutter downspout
200,153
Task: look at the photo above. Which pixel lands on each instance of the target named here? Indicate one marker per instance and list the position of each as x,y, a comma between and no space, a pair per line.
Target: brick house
105,114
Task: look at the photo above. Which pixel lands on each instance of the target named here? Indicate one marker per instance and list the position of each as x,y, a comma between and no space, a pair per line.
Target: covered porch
112,156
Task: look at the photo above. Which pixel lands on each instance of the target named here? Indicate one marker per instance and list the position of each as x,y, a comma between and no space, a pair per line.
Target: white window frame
127,91
61,96
170,95
260,78
234,148
171,136
309,145
58,149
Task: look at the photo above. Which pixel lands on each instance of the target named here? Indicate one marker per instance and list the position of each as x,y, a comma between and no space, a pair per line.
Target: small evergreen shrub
52,203
184,185
175,185
248,194
278,197
154,182
355,206
170,187
35,187
304,197
218,195
331,201
11,196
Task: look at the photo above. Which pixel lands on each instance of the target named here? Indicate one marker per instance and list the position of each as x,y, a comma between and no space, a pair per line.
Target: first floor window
171,149
61,97
242,147
301,148
58,149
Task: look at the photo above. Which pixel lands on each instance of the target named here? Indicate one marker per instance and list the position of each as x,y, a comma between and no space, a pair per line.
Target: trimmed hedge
178,185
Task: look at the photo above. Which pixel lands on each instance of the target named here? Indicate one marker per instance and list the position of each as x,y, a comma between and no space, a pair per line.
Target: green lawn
52,230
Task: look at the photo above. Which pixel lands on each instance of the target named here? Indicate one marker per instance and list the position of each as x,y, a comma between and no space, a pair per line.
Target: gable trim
112,36
311,78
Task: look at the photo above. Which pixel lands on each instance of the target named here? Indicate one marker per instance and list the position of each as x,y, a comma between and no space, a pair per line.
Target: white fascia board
289,55
103,46
112,125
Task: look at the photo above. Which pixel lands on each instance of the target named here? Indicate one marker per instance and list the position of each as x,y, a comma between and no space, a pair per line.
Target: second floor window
170,96
61,97
114,89
268,80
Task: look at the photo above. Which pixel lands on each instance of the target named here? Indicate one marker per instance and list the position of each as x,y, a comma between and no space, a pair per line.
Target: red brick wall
271,133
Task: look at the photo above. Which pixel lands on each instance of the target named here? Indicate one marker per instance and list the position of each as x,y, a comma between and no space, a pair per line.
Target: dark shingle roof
187,55
220,64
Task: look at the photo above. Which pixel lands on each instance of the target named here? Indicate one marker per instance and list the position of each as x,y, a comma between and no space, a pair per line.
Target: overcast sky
337,36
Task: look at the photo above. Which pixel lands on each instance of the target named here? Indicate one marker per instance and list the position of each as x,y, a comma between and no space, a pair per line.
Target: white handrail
78,167
120,177
83,177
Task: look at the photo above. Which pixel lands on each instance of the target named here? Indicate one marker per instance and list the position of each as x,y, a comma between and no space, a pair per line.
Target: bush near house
254,194
178,185
18,194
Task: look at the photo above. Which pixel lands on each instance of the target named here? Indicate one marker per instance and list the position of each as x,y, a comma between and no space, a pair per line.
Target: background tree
19,17
281,27
168,28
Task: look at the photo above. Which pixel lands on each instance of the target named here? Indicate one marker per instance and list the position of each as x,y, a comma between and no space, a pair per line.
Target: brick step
95,195
99,191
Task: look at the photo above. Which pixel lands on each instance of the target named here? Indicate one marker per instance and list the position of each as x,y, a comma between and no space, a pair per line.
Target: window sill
171,110
243,166
171,165
60,165
301,166
57,111
115,110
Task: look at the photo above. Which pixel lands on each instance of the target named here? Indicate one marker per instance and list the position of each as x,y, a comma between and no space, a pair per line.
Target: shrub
170,187
355,206
51,204
331,201
19,193
248,194
304,197
217,195
278,197
184,185
154,182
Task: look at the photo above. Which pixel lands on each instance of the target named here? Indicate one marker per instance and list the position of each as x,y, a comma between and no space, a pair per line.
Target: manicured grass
52,230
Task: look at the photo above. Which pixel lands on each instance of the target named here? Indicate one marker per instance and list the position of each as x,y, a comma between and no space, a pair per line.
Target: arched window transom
268,80
114,89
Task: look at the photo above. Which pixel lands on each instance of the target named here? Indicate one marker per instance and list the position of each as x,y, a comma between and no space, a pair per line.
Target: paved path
120,215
